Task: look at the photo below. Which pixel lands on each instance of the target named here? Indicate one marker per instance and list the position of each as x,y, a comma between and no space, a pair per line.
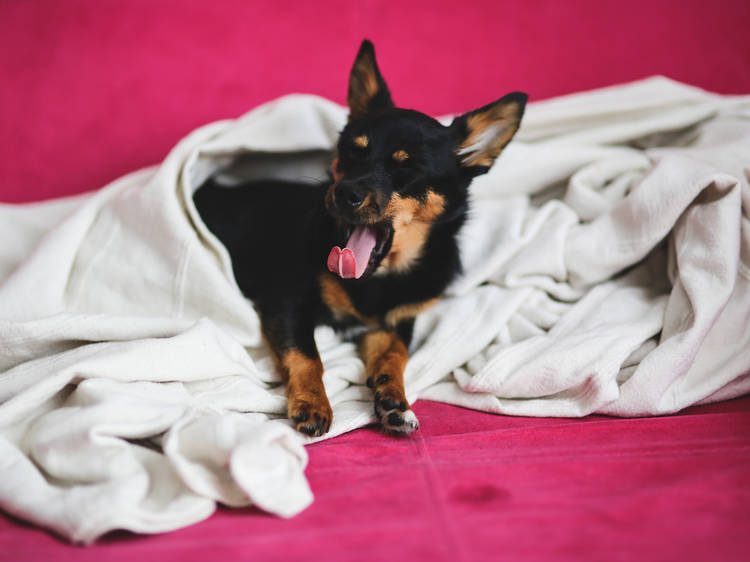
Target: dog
368,250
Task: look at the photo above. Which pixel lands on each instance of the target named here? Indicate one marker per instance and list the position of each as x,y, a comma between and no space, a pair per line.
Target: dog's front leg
289,332
385,355
307,403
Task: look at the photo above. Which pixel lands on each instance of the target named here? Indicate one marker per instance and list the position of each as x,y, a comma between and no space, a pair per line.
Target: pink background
92,90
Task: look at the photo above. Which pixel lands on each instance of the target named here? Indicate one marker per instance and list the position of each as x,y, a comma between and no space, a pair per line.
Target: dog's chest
341,305
349,314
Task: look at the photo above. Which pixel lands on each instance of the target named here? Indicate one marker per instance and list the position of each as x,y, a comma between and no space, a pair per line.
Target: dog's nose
350,198
353,199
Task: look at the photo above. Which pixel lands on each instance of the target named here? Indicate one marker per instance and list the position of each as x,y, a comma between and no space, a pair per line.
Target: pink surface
473,486
91,90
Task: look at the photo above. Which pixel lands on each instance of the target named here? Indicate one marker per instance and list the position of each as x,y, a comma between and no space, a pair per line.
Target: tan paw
310,416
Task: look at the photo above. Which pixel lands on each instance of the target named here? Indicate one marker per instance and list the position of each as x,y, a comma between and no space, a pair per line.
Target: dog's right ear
367,89
482,134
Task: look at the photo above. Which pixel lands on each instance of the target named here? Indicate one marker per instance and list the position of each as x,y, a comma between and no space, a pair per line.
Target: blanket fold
607,269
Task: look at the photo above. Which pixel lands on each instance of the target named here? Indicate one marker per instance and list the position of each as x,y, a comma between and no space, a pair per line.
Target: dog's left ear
367,89
483,133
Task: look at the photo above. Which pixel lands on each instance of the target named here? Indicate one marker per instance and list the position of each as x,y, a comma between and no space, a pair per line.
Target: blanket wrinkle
606,262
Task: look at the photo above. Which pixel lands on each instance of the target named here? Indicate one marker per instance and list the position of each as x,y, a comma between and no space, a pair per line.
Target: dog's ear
367,89
483,133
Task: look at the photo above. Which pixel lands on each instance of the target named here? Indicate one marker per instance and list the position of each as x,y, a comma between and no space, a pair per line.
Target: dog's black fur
401,181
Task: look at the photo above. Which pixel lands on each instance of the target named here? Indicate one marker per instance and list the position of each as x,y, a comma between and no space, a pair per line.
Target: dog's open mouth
366,245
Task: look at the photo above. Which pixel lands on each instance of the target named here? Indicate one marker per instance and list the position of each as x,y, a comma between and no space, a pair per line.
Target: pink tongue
351,262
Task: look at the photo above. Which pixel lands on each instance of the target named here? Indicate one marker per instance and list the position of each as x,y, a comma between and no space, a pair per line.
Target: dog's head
399,173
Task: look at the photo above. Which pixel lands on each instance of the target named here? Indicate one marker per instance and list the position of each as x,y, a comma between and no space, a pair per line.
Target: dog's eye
400,156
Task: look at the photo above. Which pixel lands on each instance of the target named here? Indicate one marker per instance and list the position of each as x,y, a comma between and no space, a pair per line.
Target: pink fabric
473,486
91,90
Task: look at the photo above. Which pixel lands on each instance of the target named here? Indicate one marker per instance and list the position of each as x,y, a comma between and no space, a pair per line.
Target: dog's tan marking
303,371
361,141
411,220
407,311
400,156
338,301
368,205
384,353
307,403
409,209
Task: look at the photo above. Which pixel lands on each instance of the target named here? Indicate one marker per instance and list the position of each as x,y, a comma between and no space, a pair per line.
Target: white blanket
607,269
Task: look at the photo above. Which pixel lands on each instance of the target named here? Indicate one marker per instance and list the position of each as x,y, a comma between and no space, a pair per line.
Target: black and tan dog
366,252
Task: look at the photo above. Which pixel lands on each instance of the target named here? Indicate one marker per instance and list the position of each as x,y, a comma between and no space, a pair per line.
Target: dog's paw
394,412
311,417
